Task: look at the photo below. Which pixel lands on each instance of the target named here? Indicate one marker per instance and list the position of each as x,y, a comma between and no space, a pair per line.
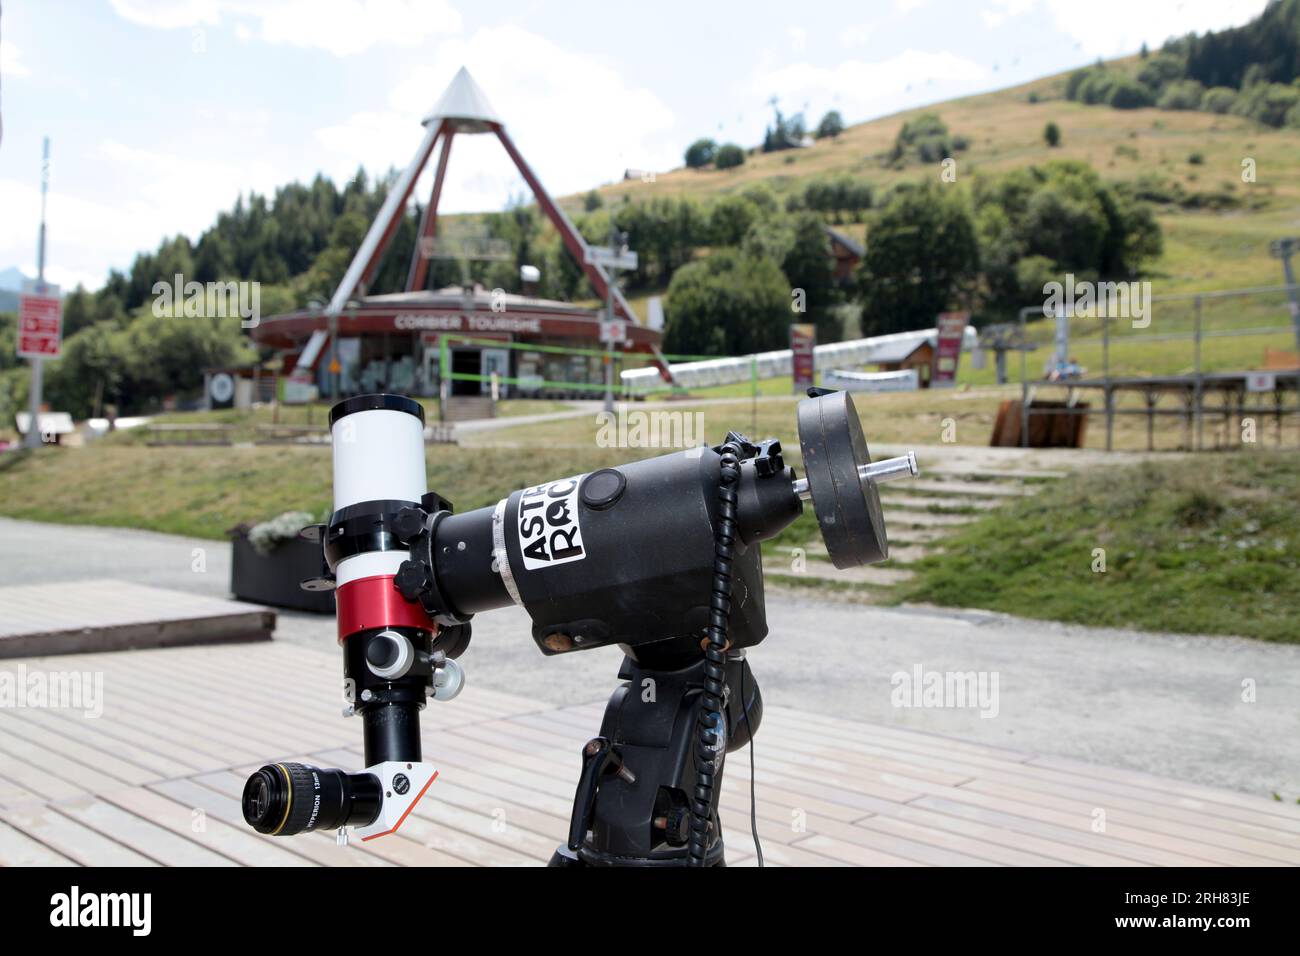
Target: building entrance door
494,362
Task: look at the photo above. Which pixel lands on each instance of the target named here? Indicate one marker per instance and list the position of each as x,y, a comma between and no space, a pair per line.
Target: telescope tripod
632,806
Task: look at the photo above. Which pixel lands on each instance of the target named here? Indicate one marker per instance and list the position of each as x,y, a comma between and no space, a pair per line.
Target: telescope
660,557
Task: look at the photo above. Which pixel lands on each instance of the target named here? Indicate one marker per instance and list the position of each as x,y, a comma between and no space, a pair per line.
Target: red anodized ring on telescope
375,602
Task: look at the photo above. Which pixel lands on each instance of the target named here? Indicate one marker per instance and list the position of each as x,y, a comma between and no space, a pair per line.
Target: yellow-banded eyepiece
282,799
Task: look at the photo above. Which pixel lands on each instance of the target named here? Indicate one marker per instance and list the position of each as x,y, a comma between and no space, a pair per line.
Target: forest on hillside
1251,71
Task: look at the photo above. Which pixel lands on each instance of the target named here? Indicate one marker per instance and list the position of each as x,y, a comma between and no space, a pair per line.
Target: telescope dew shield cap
847,507
378,444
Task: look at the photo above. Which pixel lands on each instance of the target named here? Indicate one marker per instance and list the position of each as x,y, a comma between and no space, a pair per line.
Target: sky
162,112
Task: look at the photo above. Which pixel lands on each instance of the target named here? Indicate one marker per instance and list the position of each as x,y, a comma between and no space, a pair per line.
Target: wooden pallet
157,778
78,616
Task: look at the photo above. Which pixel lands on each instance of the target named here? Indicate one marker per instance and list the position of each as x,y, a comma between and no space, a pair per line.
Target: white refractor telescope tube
378,444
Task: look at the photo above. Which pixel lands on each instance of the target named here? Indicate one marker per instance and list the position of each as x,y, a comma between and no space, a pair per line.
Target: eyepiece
282,799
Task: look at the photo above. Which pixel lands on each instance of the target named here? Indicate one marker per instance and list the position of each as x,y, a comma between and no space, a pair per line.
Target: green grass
202,491
1210,549
245,422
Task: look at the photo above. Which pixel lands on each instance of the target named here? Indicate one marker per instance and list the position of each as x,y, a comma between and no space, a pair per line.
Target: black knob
407,523
677,826
412,579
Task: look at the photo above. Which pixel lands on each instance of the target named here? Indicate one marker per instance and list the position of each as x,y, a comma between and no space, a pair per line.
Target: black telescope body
618,556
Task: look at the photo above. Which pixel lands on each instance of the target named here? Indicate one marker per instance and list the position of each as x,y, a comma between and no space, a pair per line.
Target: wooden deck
64,618
156,780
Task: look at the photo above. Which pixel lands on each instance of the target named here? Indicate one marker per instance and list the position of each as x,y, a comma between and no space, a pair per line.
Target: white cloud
11,60
341,27
860,88
147,194
83,234
999,11
169,14
573,117
1116,27
798,38
855,35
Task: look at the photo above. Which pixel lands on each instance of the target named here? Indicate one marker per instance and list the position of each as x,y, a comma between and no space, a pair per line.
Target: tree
1181,95
1267,103
832,124
925,135
1052,135
809,265
1052,219
784,133
922,257
1218,99
78,311
730,218
727,304
729,155
700,153
592,201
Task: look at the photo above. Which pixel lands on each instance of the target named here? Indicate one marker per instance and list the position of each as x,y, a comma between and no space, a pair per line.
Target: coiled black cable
710,725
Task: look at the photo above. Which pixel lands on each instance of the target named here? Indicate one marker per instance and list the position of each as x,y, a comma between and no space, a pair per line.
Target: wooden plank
1028,774
115,736
991,851
1189,794
18,849
84,754
1222,847
941,823
75,841
1019,818
97,615
11,794
850,853
158,843
240,844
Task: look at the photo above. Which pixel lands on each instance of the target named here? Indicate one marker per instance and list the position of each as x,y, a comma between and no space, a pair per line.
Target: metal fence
1199,360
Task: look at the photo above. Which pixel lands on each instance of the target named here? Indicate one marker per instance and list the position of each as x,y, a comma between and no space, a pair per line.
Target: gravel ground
1163,703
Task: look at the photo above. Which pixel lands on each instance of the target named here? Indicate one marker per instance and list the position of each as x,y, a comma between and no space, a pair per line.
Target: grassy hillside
1199,152
1208,551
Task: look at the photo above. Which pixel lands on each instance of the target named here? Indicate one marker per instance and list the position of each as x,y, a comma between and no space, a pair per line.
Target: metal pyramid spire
464,105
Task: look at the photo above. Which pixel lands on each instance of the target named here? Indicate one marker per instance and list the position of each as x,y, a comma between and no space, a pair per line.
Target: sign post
40,317
40,321
947,353
616,256
1284,249
803,359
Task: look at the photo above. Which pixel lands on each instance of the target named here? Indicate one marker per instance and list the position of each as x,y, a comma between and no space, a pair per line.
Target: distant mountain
11,283
12,279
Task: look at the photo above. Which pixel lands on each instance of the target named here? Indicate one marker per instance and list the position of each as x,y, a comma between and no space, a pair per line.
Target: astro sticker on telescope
549,533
